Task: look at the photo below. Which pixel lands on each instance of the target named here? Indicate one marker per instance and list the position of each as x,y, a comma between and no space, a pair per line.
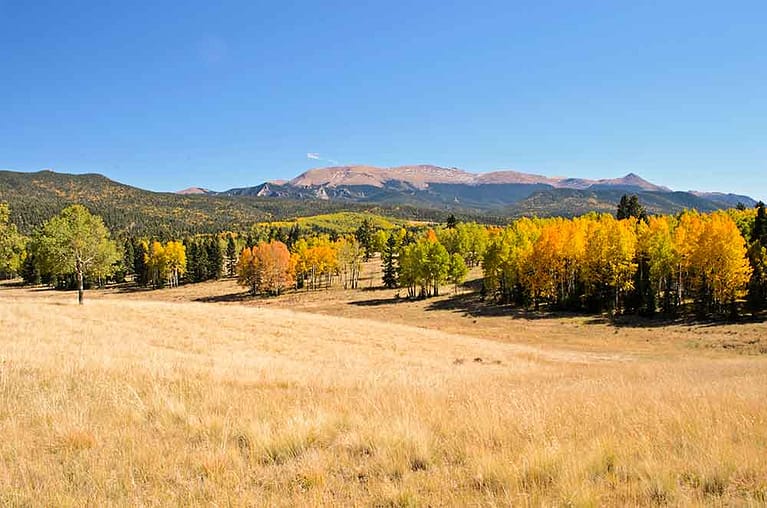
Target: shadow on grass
377,302
11,284
472,305
373,289
229,298
132,288
685,318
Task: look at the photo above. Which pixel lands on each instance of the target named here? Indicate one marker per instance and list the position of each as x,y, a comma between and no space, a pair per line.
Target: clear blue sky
166,95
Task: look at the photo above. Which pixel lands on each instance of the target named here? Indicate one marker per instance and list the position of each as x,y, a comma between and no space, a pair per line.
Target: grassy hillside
98,408
342,222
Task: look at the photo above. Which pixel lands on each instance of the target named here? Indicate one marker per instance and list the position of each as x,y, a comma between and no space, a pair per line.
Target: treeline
418,260
306,261
635,263
319,260
597,263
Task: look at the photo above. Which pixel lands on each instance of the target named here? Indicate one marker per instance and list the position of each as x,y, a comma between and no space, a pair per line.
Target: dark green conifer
389,262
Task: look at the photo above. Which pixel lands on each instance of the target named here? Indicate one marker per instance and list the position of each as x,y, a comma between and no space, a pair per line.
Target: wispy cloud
317,157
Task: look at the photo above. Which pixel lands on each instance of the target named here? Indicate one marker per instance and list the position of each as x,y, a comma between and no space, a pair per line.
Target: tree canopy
76,242
11,244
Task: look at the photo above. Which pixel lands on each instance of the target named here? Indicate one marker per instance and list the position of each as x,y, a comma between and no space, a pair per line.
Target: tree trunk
80,290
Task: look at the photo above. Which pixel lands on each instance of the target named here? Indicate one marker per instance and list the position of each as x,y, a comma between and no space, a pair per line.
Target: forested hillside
35,197
575,202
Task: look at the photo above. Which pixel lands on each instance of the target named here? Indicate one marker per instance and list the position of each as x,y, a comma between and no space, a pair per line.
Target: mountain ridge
35,197
421,175
490,192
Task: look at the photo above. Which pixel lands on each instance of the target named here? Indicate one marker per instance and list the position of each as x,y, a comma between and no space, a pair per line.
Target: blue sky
166,95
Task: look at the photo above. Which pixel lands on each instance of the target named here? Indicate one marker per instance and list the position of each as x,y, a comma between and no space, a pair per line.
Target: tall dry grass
146,403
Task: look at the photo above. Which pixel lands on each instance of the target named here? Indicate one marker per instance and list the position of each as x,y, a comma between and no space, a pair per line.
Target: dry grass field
198,396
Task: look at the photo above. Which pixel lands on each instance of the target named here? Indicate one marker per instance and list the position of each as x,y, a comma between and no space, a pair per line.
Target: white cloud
317,157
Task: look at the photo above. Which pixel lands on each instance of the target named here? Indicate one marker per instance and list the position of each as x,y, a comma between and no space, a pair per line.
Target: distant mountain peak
194,190
421,175
631,180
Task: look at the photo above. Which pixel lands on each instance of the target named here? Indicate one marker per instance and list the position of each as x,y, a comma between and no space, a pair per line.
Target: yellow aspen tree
156,263
350,255
175,257
721,262
656,243
609,259
506,265
574,248
686,237
547,262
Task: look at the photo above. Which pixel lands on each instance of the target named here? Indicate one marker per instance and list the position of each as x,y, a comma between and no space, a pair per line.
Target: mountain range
35,197
420,192
421,176
507,193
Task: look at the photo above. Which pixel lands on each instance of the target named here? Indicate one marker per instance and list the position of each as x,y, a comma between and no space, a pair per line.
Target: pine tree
201,266
215,258
452,222
191,259
128,256
757,285
364,235
29,269
759,232
629,207
140,253
757,256
231,257
293,235
390,262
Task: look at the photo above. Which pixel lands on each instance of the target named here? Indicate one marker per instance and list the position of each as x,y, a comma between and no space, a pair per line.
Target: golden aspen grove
597,262
594,263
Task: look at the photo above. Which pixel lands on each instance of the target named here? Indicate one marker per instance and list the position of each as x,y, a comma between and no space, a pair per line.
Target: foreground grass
131,402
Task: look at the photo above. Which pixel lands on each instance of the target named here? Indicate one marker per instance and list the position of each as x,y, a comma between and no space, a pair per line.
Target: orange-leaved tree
267,268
